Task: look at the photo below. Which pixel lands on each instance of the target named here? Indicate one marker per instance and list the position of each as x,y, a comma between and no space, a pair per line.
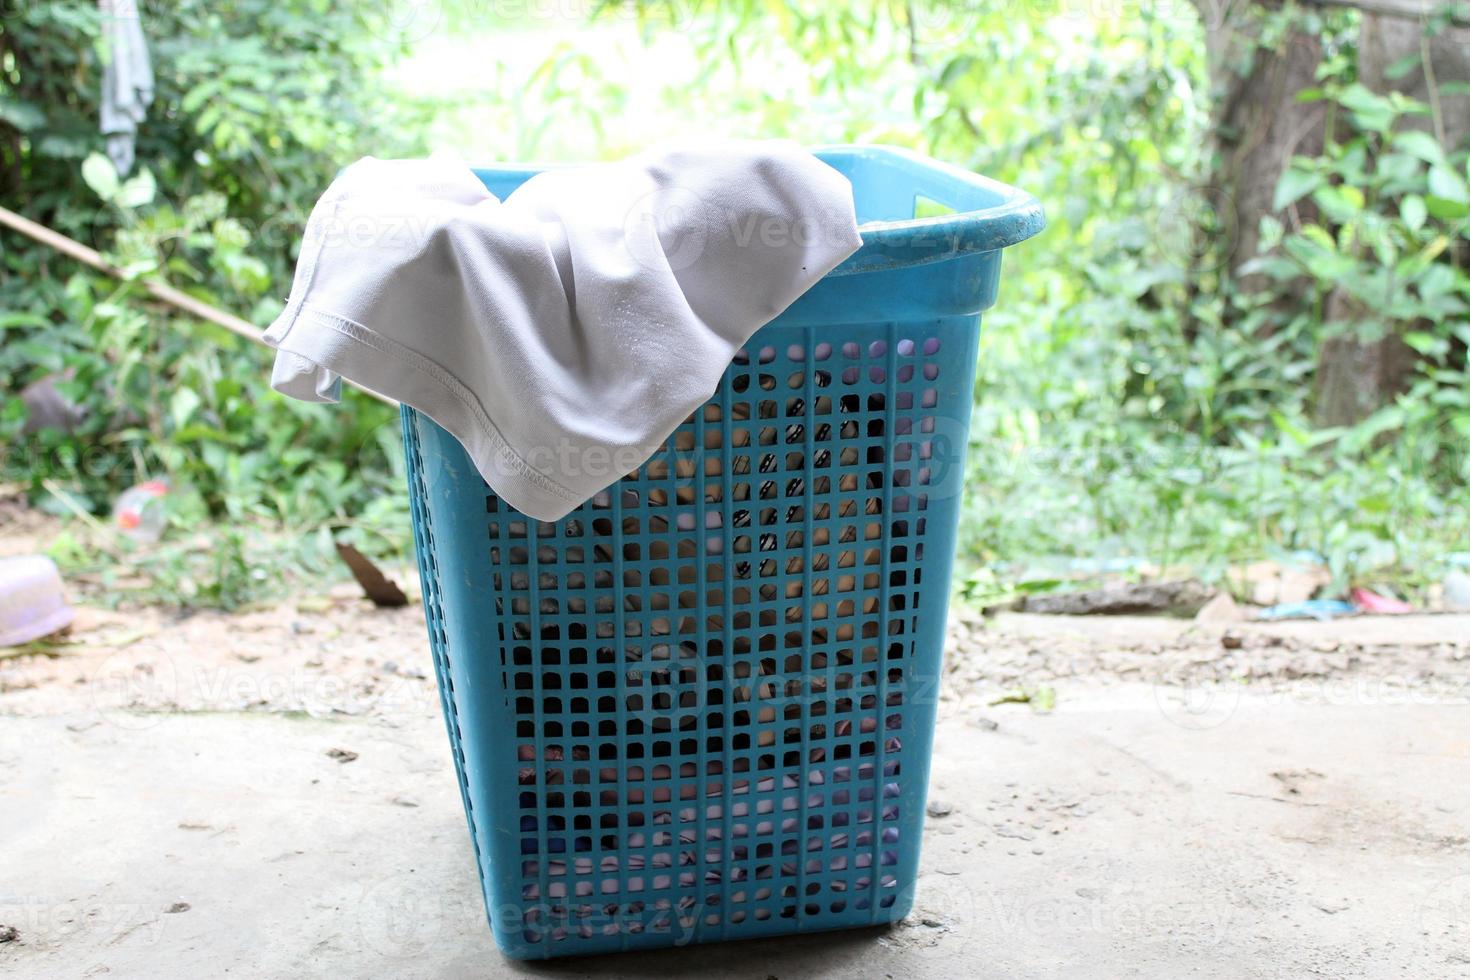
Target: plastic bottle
139,512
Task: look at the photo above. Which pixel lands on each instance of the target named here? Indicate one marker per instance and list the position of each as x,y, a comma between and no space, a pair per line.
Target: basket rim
1007,216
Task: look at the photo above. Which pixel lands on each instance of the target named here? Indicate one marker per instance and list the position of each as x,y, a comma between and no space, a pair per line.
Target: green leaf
1448,184
1341,203
100,175
1426,343
9,321
1403,66
1444,209
1319,236
199,95
1294,185
1316,249
183,405
1401,169
136,191
1419,144
198,432
1413,211
1372,111
1286,427
1375,503
24,116
67,147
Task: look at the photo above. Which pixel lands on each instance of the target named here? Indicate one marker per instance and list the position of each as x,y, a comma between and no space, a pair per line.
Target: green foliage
258,103
1152,409
1392,210
1132,402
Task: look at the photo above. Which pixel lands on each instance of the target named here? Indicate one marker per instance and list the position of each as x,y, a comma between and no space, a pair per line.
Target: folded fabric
563,334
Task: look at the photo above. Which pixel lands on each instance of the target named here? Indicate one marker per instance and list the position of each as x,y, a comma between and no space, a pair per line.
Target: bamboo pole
159,290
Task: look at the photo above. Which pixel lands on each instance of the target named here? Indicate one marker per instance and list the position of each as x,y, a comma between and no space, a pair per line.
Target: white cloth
563,334
127,79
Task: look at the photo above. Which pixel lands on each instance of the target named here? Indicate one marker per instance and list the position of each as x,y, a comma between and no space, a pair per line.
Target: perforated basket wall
716,680
700,707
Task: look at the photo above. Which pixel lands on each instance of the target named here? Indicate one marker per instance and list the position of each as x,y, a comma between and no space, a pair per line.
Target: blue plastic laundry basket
700,707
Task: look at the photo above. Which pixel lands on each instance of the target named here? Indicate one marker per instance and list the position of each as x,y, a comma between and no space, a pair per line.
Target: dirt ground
270,794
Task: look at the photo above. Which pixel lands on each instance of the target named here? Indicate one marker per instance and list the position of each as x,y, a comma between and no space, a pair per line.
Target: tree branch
159,290
1402,9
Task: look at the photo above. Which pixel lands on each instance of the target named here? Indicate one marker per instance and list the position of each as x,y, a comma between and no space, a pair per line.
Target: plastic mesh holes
708,663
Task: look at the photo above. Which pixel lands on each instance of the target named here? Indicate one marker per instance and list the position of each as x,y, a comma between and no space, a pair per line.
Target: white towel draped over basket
561,334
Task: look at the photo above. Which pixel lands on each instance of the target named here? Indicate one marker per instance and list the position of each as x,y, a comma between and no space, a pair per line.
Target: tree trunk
1259,125
1356,377
1382,41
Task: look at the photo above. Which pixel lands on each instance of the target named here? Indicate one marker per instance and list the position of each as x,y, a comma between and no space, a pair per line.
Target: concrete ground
271,795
